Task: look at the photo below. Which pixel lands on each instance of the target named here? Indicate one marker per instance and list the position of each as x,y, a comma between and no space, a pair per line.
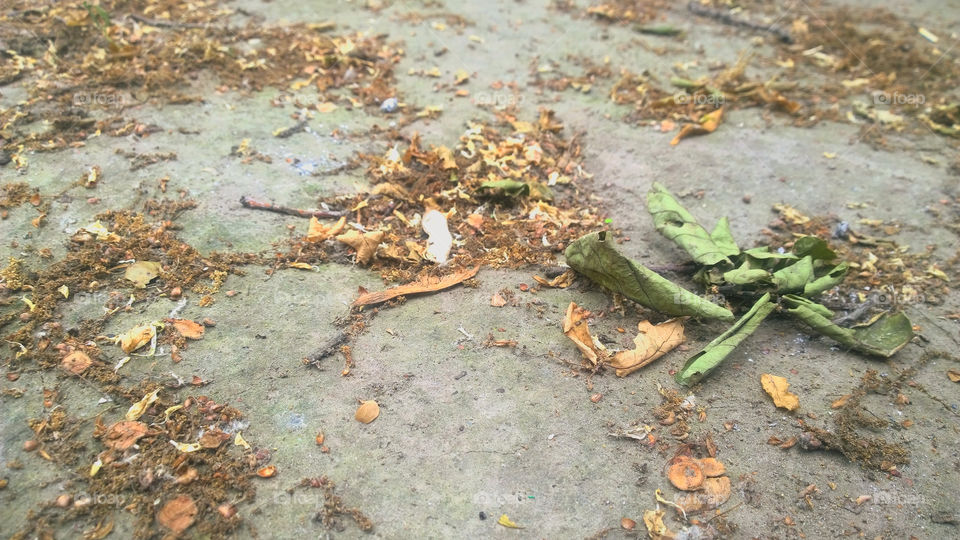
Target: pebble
389,105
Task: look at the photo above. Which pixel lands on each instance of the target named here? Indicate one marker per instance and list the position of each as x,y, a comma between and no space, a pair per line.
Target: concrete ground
468,431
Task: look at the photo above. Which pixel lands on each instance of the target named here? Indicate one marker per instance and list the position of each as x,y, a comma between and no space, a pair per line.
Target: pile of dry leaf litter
77,56
866,67
186,451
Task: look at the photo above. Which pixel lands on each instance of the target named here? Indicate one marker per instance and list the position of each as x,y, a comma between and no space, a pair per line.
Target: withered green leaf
884,337
701,364
594,256
674,222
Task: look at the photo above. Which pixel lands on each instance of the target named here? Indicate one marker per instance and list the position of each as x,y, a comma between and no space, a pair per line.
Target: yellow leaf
137,337
29,303
365,244
95,468
777,388
64,290
185,447
505,521
142,272
137,409
652,342
238,441
301,265
656,529
171,410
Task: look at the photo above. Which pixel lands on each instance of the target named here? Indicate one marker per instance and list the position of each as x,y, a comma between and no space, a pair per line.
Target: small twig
332,345
164,24
252,204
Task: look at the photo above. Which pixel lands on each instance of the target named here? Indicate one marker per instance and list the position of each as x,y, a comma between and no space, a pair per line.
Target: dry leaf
178,514
712,468
267,472
187,328
142,272
651,342
422,285
367,412
685,473
326,107
505,521
777,387
365,244
497,300
213,438
439,240
560,282
76,362
124,434
137,409
841,401
954,375
575,327
708,124
137,337
713,493
656,529
318,232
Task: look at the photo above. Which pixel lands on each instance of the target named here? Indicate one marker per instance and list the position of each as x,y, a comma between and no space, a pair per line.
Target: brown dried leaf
714,493
76,362
187,328
318,232
954,375
777,388
685,473
575,327
652,342
422,285
367,412
497,300
124,434
708,124
365,244
178,514
712,468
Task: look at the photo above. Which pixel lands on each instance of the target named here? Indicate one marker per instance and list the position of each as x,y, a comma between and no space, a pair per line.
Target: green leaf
794,277
701,364
764,253
540,191
508,186
815,247
594,256
884,337
828,281
674,222
747,276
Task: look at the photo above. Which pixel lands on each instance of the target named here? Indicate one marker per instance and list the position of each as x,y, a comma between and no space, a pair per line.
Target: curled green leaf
883,337
594,256
701,364
674,222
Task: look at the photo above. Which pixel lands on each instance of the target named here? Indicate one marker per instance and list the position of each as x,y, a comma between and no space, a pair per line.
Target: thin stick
252,204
